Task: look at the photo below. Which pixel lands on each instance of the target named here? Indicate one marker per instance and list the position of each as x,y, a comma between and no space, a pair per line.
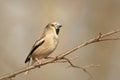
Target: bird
45,45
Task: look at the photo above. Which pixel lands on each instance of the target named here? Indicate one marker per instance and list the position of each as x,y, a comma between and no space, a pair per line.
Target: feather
35,46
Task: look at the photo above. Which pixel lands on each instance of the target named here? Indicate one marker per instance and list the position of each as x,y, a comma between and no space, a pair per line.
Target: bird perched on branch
44,46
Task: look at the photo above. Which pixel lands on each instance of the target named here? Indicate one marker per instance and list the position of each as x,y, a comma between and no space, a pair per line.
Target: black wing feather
33,49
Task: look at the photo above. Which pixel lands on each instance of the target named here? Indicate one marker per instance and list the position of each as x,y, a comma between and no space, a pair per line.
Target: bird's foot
38,61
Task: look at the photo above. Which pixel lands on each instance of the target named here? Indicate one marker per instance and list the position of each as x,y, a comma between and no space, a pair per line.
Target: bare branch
110,33
84,68
118,38
99,38
93,40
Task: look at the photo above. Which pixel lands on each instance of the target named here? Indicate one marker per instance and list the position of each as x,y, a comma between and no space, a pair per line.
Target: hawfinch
45,45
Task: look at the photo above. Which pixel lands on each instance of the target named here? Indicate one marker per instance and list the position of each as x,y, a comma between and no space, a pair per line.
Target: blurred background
23,21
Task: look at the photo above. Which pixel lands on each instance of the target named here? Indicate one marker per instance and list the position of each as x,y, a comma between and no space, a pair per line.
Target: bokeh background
23,21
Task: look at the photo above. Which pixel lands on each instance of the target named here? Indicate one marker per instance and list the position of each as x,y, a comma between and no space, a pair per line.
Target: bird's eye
52,24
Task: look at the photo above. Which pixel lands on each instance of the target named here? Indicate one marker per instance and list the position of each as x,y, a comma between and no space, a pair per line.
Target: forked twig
99,38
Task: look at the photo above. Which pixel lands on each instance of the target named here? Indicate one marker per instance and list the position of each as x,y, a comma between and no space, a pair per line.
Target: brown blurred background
23,21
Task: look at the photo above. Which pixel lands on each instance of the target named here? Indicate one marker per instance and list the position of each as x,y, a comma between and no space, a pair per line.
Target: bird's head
55,26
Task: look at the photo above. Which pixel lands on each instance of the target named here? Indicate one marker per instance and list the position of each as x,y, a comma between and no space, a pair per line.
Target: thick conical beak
58,26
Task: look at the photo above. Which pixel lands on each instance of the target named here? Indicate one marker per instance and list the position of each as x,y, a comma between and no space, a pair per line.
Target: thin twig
110,33
118,38
84,68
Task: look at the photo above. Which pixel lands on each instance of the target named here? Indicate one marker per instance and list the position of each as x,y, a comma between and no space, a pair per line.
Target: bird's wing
38,43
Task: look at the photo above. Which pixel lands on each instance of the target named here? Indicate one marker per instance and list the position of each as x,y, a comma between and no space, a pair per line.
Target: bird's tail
31,62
